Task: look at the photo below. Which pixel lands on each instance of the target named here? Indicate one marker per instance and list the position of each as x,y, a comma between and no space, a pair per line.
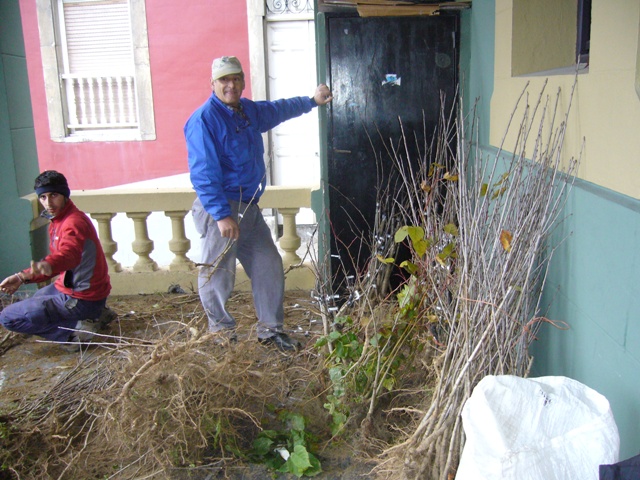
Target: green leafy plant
346,350
361,365
5,431
286,451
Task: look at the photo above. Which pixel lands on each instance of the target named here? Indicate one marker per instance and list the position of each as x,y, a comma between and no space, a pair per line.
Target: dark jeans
48,313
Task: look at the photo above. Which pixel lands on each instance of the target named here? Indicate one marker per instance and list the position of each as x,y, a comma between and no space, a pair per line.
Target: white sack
536,429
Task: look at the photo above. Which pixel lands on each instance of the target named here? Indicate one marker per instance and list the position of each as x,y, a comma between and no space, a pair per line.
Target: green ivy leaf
448,250
410,267
262,446
298,438
420,247
401,234
335,374
451,229
298,462
415,234
296,422
406,294
274,462
333,336
315,467
385,260
388,383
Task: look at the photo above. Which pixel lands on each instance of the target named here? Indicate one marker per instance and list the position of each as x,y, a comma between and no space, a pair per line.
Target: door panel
384,73
292,72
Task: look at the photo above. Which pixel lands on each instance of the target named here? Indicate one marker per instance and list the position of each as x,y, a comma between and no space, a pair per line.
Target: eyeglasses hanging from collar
242,120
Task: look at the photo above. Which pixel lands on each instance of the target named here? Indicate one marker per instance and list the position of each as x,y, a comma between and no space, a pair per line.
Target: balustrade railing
137,204
100,102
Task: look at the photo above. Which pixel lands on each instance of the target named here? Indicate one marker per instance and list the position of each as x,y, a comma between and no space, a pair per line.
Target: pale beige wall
606,108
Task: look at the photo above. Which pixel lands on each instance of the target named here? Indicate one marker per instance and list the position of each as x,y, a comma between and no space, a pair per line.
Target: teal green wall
594,286
18,158
477,26
594,280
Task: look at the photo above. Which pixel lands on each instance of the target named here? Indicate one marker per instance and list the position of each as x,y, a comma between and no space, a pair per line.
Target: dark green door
386,73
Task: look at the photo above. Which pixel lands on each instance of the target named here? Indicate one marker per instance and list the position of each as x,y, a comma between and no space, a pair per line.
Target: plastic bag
536,429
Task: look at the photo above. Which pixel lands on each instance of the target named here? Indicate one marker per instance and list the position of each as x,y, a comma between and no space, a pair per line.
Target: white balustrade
99,102
137,205
106,239
142,245
179,243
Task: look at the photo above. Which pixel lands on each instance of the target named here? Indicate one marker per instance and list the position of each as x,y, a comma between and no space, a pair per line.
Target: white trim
289,17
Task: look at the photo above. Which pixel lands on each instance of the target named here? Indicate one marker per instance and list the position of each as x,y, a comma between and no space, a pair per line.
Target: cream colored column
637,83
290,241
179,243
142,245
109,246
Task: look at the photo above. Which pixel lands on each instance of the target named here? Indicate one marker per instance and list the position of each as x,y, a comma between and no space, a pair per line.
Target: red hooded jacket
76,255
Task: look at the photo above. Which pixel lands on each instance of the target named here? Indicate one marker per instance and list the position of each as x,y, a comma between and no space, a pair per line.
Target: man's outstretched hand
323,95
10,284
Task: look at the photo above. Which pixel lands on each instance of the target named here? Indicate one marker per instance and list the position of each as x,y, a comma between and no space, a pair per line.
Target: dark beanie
51,181
61,189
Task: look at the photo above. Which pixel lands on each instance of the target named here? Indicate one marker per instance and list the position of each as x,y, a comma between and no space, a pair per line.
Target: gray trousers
260,259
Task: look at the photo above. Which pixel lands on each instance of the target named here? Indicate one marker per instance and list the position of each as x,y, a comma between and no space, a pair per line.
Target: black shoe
226,336
281,341
106,317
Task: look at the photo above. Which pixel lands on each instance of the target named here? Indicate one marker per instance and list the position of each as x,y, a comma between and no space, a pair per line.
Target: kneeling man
73,308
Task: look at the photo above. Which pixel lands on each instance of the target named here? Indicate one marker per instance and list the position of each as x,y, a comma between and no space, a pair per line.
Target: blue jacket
226,152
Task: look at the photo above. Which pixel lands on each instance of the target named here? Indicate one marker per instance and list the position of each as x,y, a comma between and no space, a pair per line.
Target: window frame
583,42
52,55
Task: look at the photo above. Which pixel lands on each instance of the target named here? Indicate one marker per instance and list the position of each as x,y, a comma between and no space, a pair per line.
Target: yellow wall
606,107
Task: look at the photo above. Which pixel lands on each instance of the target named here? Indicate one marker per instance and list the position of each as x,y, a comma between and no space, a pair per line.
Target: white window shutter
98,37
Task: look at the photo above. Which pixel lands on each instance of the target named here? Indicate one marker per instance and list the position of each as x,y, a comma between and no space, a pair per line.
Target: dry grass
159,394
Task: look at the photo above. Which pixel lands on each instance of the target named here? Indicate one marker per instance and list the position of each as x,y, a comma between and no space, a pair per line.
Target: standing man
70,310
225,149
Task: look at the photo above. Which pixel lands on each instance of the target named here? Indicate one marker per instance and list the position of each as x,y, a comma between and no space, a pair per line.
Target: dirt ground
29,366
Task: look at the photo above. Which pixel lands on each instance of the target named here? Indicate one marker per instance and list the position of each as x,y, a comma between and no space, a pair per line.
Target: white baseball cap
225,66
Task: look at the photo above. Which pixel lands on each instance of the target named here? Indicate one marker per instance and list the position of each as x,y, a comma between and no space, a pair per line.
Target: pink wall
184,37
